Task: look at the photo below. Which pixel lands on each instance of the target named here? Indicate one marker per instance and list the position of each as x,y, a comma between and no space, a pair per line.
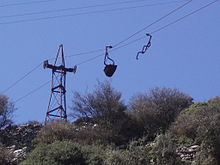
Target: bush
195,116
95,154
201,123
135,155
55,131
209,138
164,151
57,153
156,110
6,110
104,108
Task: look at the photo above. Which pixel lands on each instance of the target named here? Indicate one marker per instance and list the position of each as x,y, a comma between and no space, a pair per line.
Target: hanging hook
107,55
109,68
145,47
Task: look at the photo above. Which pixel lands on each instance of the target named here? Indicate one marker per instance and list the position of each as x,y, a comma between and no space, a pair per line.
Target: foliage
6,110
194,117
55,131
57,153
209,137
134,155
164,151
156,110
201,123
95,154
104,108
104,105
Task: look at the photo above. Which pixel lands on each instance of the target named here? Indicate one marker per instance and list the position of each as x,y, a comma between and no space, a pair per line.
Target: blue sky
184,55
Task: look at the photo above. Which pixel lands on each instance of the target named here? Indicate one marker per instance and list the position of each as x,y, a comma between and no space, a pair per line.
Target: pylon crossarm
60,68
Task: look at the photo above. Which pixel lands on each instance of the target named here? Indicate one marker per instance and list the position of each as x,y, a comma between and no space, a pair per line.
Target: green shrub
192,118
57,153
55,131
201,123
95,154
135,154
126,157
158,108
105,108
209,138
164,151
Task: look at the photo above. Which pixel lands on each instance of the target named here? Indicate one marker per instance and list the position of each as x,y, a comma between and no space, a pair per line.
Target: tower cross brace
57,102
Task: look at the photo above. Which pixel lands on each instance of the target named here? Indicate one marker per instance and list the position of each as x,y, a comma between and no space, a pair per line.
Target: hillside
162,127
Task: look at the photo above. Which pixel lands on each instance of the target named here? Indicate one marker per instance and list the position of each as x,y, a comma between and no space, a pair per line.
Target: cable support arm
60,68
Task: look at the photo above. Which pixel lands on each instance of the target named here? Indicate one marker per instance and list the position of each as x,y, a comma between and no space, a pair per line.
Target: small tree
104,105
105,108
157,109
6,110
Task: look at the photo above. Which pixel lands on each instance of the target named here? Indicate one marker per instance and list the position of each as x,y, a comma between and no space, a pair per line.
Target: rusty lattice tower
57,102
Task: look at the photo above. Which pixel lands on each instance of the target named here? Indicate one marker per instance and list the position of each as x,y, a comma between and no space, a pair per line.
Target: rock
17,139
19,154
194,148
188,153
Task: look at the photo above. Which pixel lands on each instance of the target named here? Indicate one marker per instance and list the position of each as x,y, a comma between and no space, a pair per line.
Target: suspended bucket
110,70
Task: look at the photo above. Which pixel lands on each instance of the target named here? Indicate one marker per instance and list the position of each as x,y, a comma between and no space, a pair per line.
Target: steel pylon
57,103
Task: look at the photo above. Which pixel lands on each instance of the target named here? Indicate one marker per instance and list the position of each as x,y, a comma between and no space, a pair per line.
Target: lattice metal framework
57,102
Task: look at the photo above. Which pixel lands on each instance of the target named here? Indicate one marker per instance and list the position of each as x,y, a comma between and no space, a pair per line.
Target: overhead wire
84,53
155,31
158,20
90,59
20,79
85,7
31,92
117,45
185,16
98,50
100,55
25,3
82,13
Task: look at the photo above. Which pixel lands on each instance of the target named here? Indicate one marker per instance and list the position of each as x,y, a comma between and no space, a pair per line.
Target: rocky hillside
17,139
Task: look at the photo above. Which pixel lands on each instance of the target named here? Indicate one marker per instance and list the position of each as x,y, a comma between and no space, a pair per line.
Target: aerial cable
90,59
185,16
33,91
78,14
144,49
163,27
25,3
37,66
153,32
138,39
84,7
20,79
158,20
119,47
84,53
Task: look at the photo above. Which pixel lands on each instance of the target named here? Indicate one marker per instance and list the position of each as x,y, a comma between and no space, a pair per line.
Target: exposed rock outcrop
17,139
188,153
